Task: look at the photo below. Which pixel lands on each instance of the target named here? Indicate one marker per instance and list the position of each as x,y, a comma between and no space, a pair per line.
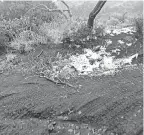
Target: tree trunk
94,12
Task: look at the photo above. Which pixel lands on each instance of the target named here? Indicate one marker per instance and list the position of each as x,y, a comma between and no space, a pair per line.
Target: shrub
15,20
25,41
75,33
113,22
79,34
21,45
121,17
12,28
138,22
51,32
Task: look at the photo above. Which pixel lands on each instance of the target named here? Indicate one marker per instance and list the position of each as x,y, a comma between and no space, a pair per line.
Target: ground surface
108,104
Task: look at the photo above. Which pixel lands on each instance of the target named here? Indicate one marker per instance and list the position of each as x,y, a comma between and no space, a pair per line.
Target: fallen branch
7,95
39,55
58,82
25,83
49,79
65,83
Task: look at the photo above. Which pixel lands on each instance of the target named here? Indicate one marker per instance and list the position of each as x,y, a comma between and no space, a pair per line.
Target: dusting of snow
79,112
120,42
111,34
10,57
91,63
117,31
117,51
108,62
70,130
129,30
108,42
129,59
128,44
108,31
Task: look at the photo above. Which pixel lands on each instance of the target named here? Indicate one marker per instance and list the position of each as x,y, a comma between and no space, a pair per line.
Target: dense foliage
21,21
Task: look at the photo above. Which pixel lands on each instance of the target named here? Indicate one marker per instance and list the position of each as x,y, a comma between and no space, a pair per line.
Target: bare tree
94,12
44,7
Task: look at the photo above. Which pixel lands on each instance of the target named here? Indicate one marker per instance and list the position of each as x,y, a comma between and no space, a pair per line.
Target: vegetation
30,23
62,74
27,25
138,22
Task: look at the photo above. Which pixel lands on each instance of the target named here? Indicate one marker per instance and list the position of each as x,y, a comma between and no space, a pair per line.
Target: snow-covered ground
90,62
128,30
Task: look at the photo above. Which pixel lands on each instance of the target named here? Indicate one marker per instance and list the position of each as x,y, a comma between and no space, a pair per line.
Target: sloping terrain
103,105
58,77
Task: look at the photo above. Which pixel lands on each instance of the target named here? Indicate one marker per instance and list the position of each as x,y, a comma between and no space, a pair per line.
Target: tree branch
58,82
68,9
48,9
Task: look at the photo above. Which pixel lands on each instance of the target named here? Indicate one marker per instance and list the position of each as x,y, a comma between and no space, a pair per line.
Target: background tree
94,13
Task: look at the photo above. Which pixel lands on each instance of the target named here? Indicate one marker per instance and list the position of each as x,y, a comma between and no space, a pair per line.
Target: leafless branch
65,83
47,9
70,14
39,55
58,82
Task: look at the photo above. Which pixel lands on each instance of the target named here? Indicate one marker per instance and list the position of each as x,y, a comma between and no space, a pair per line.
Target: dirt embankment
106,105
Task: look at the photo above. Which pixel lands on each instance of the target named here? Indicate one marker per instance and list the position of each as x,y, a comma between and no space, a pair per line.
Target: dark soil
107,105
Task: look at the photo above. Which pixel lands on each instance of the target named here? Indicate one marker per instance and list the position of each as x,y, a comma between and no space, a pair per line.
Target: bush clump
138,22
79,34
